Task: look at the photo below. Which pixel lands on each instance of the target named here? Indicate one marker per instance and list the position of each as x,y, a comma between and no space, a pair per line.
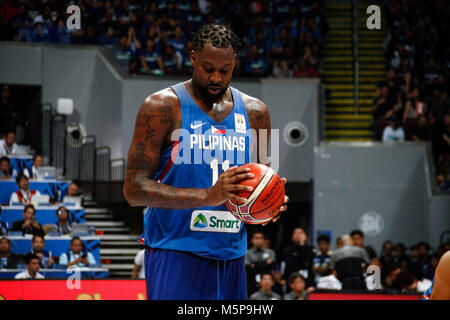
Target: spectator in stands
63,226
440,105
74,189
297,284
139,265
255,63
399,254
348,264
394,131
358,240
150,58
6,171
422,131
28,225
171,61
77,256
32,173
9,260
388,275
322,256
298,257
124,54
282,70
110,40
387,254
258,260
8,146
265,293
381,103
24,194
442,141
304,70
423,259
37,248
32,272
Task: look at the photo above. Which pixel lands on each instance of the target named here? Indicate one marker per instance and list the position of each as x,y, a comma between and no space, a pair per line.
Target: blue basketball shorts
177,275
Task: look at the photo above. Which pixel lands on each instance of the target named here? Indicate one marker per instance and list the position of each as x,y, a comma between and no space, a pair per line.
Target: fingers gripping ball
264,202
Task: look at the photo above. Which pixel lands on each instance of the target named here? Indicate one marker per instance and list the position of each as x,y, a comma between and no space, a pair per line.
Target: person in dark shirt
299,256
28,225
37,248
322,256
8,260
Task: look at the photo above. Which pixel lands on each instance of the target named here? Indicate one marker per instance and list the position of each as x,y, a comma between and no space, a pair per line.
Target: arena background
340,175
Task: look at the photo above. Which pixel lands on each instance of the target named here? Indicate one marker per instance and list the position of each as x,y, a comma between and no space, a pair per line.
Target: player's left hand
282,208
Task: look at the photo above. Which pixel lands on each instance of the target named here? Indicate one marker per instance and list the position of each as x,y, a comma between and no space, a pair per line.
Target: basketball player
195,247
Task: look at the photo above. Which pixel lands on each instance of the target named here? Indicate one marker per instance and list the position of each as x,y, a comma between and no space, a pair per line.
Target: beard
209,97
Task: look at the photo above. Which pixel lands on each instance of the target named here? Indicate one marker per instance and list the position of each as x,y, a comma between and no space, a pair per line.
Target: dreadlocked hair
218,35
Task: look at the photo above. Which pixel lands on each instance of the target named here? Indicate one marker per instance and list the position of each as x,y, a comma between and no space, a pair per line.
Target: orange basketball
264,202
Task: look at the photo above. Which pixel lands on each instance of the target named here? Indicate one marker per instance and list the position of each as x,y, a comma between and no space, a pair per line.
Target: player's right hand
227,184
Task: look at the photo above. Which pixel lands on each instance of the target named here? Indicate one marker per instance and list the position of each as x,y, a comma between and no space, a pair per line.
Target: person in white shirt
8,145
139,269
24,194
32,272
393,132
32,173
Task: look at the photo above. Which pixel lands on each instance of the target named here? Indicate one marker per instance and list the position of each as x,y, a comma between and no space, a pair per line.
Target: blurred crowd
413,102
283,39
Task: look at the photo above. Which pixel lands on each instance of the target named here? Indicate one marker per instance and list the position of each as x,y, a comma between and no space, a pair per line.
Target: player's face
213,68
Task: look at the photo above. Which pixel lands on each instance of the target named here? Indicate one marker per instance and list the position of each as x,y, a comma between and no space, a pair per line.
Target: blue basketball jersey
204,150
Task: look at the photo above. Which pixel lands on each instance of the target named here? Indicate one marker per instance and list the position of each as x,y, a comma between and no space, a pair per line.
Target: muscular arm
157,117
259,119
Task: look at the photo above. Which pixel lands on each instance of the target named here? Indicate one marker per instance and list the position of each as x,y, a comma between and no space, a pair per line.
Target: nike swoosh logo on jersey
194,126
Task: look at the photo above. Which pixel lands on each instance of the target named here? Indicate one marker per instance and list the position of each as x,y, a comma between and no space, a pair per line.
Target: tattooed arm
158,116
259,120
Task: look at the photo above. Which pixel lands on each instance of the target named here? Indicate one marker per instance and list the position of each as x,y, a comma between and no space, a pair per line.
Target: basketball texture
264,202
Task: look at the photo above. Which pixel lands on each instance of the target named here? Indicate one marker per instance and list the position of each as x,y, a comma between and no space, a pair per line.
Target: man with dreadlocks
183,164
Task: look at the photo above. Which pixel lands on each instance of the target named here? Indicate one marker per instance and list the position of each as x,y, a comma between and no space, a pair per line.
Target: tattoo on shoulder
258,115
165,113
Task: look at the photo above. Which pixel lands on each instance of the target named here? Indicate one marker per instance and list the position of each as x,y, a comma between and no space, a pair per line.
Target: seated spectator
73,193
77,256
258,260
322,256
63,226
28,225
124,54
358,240
414,108
8,146
304,70
37,248
32,265
6,172
139,266
255,63
297,283
186,64
382,103
9,260
150,58
387,253
171,61
393,132
265,293
298,257
110,41
422,131
281,70
24,194
32,173
423,259
348,262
